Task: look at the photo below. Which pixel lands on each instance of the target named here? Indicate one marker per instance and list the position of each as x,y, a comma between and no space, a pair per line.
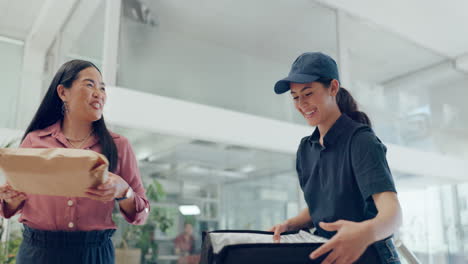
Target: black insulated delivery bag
256,247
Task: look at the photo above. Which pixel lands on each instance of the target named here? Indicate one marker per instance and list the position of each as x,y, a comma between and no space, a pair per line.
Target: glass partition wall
206,185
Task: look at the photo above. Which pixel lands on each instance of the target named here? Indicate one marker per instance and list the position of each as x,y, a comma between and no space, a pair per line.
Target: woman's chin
312,122
95,118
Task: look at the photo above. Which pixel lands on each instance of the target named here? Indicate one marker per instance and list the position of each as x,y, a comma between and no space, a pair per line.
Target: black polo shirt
339,178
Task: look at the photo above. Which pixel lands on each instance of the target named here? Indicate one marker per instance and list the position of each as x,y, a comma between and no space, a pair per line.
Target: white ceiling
280,30
183,158
377,55
273,30
17,17
437,25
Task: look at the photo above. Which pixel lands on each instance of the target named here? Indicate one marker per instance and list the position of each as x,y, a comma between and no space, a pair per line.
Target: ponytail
347,104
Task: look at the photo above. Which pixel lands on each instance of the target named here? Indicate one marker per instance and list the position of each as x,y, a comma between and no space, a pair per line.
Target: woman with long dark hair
343,172
76,229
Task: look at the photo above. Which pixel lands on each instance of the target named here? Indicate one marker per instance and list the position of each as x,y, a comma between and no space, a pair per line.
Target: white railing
405,253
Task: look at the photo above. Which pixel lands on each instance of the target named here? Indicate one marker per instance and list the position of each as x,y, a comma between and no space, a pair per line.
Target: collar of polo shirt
341,125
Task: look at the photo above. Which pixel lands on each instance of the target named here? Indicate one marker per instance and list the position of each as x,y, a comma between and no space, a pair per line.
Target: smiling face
314,101
86,97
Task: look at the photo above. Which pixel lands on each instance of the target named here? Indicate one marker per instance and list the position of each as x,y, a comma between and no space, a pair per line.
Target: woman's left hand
347,245
114,187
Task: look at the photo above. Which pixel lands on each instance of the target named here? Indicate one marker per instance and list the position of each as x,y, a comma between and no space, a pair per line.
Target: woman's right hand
278,229
11,197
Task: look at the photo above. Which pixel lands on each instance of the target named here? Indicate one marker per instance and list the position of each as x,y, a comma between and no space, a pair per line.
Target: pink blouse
79,213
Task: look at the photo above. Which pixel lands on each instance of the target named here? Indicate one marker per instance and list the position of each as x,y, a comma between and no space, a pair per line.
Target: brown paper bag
53,171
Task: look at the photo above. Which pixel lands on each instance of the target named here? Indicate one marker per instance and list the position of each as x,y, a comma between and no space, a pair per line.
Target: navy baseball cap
309,67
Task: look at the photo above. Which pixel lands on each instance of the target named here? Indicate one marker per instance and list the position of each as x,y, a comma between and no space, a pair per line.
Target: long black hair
50,109
347,104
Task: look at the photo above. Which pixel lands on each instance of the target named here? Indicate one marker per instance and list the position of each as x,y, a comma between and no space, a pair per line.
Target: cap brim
282,85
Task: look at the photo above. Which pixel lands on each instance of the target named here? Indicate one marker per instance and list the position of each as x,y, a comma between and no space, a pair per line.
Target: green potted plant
138,241
10,247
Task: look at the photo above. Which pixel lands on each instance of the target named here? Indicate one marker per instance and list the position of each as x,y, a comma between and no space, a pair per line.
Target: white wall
179,66
10,75
130,108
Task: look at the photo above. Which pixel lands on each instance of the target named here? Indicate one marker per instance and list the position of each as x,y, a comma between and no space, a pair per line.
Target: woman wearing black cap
342,169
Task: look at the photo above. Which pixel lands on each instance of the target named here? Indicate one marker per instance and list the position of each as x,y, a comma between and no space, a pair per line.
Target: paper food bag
53,171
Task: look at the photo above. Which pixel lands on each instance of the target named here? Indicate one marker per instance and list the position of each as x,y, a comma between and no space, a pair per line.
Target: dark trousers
62,247
381,252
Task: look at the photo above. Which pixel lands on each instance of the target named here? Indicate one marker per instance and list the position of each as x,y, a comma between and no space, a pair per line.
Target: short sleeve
369,162
299,162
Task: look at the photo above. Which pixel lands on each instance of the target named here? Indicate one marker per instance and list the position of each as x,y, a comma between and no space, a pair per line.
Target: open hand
347,245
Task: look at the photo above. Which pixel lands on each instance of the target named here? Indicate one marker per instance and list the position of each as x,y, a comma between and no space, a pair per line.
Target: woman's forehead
90,73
